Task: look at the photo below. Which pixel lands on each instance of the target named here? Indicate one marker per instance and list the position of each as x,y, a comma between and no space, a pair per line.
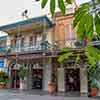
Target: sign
1,63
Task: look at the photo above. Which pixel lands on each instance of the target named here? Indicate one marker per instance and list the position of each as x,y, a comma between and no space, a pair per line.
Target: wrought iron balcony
29,47
68,43
41,45
3,49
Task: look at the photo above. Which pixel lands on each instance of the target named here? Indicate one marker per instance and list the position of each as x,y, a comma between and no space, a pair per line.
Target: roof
39,19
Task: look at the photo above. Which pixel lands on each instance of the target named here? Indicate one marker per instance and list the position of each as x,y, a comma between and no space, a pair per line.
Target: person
71,83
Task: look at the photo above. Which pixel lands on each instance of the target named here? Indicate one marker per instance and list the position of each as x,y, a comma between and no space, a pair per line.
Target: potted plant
52,84
23,75
94,88
94,75
3,79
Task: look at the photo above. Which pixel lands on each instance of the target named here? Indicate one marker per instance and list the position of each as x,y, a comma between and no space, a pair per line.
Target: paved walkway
20,95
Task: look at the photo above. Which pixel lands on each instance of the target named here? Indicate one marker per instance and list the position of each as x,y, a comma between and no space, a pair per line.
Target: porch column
47,67
29,77
9,73
83,82
61,84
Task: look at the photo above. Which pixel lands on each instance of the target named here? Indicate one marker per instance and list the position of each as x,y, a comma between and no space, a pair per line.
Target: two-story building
28,42
69,77
36,43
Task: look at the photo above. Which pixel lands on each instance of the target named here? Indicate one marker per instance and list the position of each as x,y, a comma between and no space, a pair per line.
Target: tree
83,16
86,23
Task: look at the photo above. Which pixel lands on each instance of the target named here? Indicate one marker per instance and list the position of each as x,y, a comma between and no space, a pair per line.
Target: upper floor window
13,42
69,33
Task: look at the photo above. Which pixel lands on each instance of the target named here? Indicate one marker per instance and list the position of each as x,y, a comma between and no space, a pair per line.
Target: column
83,82
61,83
29,77
47,66
9,73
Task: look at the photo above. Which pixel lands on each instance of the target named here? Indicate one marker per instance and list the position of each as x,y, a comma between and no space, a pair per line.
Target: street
9,95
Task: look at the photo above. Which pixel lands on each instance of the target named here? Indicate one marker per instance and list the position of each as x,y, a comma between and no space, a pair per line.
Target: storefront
39,73
72,79
37,76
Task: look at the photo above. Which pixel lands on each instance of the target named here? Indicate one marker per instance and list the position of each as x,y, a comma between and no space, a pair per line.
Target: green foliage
98,1
23,72
61,5
65,55
3,77
69,1
97,23
52,6
94,76
44,2
83,21
93,55
65,49
77,58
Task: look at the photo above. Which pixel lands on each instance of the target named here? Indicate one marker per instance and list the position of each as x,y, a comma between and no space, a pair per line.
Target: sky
11,10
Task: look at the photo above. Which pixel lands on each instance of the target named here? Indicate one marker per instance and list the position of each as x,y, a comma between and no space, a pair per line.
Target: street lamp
24,14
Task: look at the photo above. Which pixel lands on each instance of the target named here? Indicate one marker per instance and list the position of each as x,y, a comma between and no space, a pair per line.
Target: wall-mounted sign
1,63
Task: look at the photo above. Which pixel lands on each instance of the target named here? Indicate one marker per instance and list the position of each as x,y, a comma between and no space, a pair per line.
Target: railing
68,43
3,49
42,45
28,47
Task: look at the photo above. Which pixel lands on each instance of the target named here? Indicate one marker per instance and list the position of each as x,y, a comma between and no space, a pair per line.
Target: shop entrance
15,81
37,75
72,80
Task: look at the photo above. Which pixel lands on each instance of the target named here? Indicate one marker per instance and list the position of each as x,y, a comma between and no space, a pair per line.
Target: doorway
72,80
15,82
37,78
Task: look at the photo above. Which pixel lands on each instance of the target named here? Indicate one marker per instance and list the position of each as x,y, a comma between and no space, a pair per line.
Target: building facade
27,43
70,77
35,43
3,43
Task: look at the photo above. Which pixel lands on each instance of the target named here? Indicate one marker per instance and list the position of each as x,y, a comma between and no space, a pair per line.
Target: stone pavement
15,95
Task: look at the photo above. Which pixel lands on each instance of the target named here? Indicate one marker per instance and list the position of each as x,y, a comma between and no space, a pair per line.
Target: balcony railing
3,49
29,47
39,45
68,43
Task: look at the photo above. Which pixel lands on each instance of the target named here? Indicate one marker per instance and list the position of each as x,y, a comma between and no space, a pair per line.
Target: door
37,77
72,80
15,79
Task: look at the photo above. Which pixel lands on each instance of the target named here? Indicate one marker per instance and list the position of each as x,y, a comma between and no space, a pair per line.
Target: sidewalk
43,94
40,92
